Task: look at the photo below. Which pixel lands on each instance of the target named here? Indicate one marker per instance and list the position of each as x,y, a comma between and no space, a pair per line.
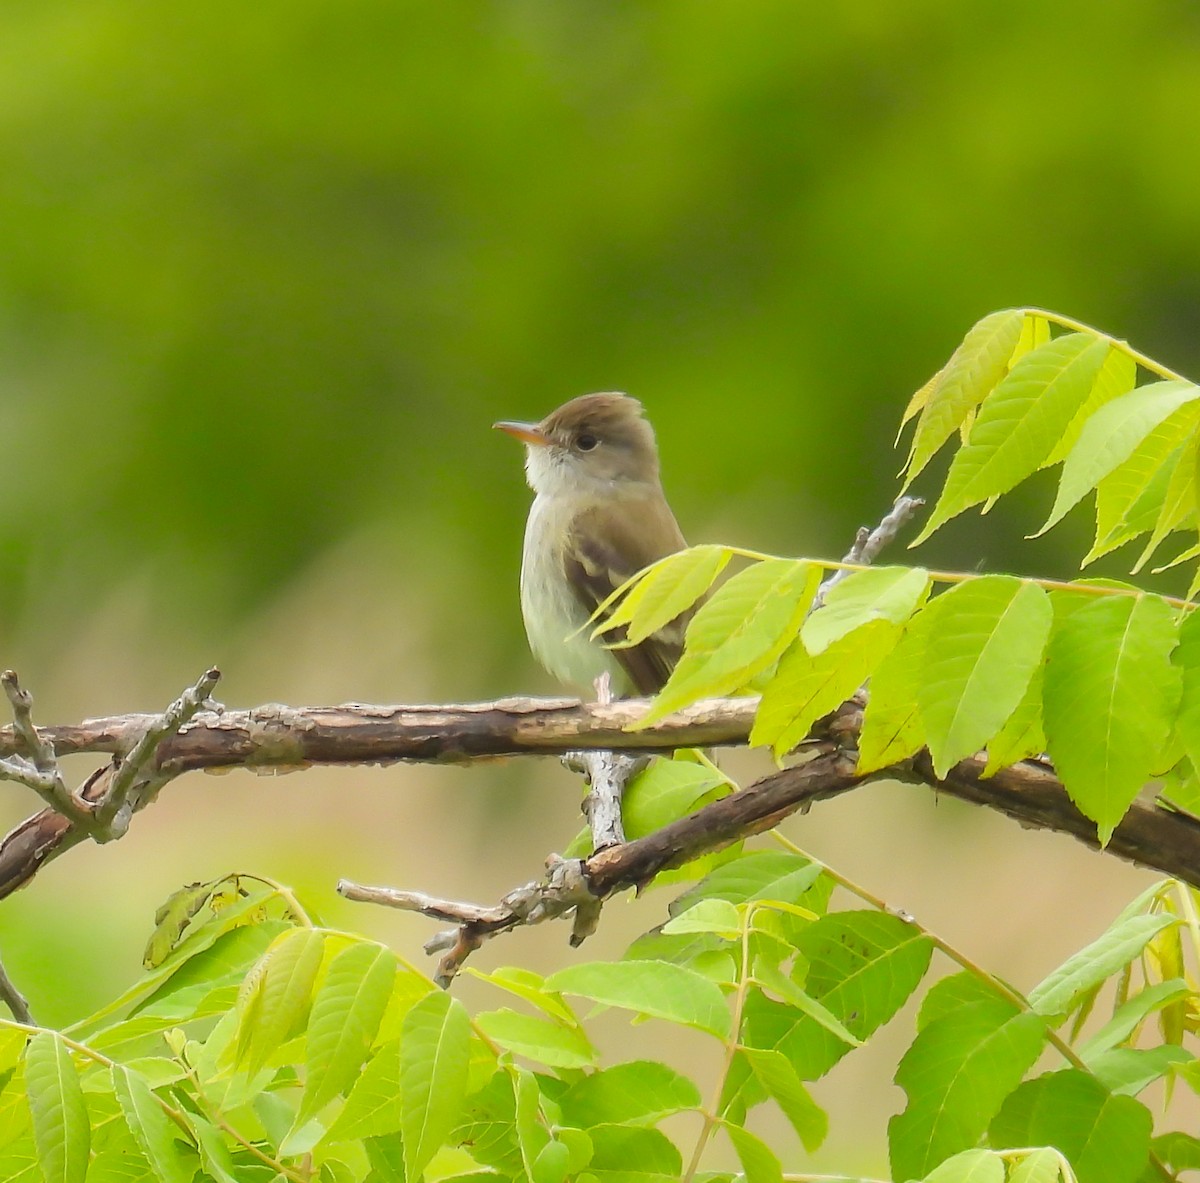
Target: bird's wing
599,557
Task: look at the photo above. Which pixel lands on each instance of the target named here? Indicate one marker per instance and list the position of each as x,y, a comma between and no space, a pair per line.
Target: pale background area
270,272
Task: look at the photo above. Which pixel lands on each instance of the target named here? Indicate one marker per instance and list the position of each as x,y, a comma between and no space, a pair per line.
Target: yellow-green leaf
738,633
968,377
1110,436
1020,423
1110,693
985,639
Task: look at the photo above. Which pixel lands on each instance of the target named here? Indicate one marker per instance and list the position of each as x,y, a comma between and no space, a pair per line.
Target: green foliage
259,1045
1102,675
372,1073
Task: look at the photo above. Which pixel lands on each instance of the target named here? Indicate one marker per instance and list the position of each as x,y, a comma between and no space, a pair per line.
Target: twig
563,890
1028,792
126,793
14,999
869,543
33,762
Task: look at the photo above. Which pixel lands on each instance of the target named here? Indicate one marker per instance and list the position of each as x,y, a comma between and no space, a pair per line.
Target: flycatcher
599,516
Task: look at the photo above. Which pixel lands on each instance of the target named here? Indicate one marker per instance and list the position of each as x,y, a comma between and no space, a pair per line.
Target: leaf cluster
263,1047
1103,676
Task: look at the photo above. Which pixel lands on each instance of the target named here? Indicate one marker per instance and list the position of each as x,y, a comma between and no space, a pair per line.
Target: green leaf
878,593
805,688
434,1056
640,1091
152,1130
951,993
666,791
1179,1151
1117,376
631,1154
1057,993
957,1073
969,1166
60,1119
535,1039
277,994
776,1074
757,875
1044,1165
967,379
1186,659
1106,1139
1020,423
1110,690
1023,734
985,639
373,1106
1178,510
1110,436
715,915
345,1018
1138,485
530,986
892,729
1128,1070
772,978
862,967
758,1160
655,988
738,633
664,590
1131,1013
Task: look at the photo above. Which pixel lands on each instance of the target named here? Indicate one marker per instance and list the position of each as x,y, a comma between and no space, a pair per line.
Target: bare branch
128,790
14,999
32,762
869,543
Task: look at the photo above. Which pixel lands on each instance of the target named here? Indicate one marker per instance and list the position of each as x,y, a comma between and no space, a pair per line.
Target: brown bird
599,516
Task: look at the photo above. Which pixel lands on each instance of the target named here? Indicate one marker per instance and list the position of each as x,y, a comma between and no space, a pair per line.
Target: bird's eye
585,441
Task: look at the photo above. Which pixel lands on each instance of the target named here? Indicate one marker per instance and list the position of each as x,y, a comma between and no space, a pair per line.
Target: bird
599,515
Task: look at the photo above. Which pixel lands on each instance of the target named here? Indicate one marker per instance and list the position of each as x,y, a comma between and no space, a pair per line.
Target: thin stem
1078,326
711,1118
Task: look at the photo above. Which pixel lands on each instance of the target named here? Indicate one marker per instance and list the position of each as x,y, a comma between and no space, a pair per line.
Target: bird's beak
528,433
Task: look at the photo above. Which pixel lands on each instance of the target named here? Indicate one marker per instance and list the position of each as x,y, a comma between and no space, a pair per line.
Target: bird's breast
554,616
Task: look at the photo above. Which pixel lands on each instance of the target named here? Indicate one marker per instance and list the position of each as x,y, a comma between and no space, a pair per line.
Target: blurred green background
270,271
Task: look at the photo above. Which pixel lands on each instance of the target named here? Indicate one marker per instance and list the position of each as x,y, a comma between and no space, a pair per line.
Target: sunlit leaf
985,639
1110,436
776,1074
1105,1138
60,1119
957,1073
739,632
1117,376
671,586
655,988
1020,423
1147,470
345,1018
434,1054
1110,691
535,1039
152,1129
878,593
1114,949
640,1091
892,728
965,381
805,688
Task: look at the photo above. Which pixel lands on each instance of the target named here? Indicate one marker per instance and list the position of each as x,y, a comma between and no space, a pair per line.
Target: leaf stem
712,1112
1077,326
